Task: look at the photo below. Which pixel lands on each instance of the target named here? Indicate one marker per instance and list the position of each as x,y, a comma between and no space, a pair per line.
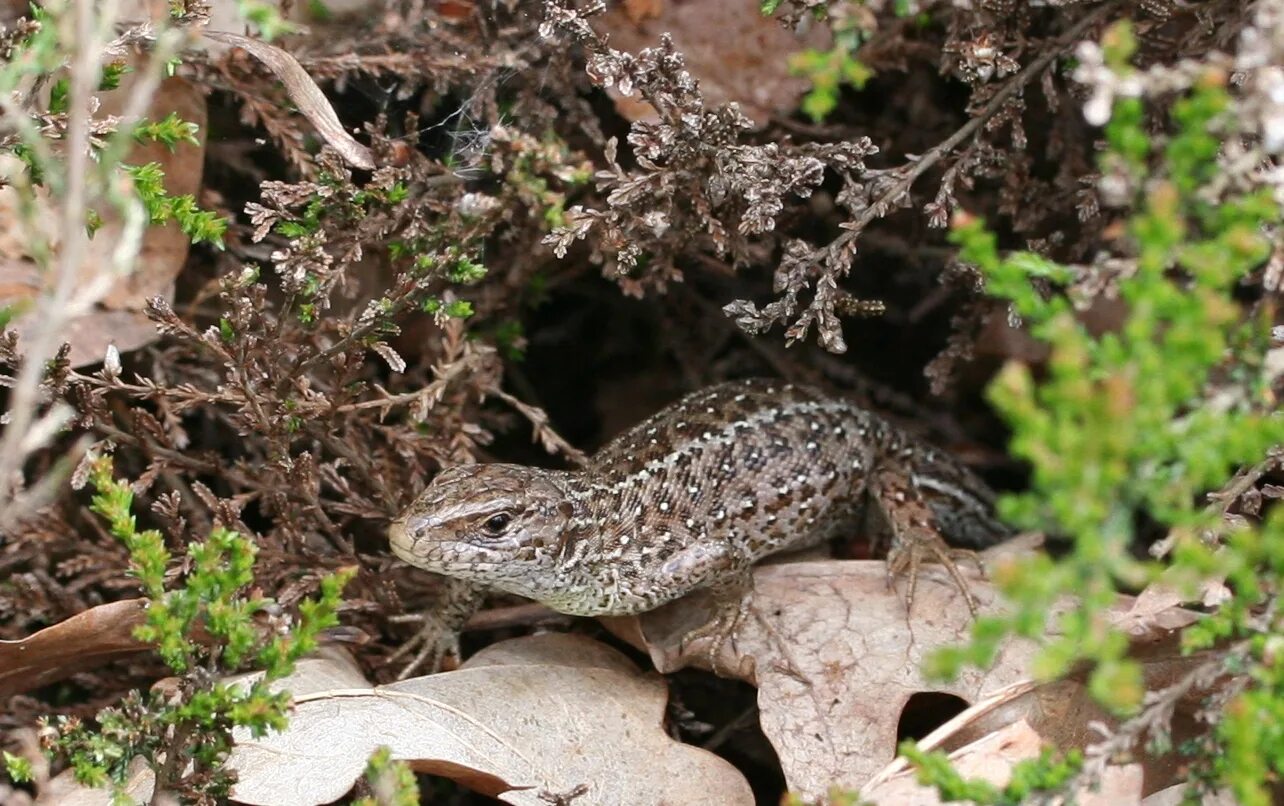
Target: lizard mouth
412,541
403,545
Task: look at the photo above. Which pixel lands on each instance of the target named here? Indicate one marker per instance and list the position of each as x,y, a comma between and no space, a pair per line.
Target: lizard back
761,464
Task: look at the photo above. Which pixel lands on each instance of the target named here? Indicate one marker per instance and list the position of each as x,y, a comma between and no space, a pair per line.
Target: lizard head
498,524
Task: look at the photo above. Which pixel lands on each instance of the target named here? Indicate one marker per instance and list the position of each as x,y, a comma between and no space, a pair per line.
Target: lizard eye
496,523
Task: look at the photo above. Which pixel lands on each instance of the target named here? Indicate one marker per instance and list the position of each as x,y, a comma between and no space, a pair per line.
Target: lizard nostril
419,527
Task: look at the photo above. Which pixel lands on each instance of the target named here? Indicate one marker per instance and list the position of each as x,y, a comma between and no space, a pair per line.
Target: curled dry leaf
523,721
836,659
735,52
305,93
84,641
1061,713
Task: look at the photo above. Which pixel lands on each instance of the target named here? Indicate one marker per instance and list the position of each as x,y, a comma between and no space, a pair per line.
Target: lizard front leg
725,572
438,636
728,575
915,535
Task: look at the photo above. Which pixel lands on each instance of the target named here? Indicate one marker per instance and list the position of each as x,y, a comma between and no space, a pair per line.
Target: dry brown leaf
118,318
859,657
992,758
836,659
735,52
1154,612
1062,714
538,715
96,636
304,92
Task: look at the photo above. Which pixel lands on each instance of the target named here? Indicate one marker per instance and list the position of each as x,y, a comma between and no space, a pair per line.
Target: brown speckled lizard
691,497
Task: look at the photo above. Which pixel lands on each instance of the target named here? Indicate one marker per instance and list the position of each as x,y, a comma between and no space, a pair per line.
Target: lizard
692,497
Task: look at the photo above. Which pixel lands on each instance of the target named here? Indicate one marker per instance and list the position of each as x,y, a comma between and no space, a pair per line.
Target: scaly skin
691,497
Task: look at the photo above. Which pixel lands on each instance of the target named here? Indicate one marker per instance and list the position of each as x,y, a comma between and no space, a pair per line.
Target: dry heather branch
890,198
834,260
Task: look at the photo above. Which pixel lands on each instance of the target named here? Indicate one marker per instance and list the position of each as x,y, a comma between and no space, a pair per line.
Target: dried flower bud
111,362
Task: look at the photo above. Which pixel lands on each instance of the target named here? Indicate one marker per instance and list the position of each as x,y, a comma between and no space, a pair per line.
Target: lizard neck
594,506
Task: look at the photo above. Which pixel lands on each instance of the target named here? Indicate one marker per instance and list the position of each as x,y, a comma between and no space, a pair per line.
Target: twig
499,618
1243,481
744,719
24,402
1156,716
915,169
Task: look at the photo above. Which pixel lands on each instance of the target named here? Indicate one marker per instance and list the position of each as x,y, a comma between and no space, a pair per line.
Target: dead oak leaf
522,720
1016,723
837,659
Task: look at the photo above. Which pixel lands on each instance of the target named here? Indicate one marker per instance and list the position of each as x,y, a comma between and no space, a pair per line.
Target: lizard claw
719,630
723,628
437,644
908,554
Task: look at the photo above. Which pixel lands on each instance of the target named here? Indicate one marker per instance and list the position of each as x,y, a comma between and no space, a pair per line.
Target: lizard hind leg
915,535
910,548
731,600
